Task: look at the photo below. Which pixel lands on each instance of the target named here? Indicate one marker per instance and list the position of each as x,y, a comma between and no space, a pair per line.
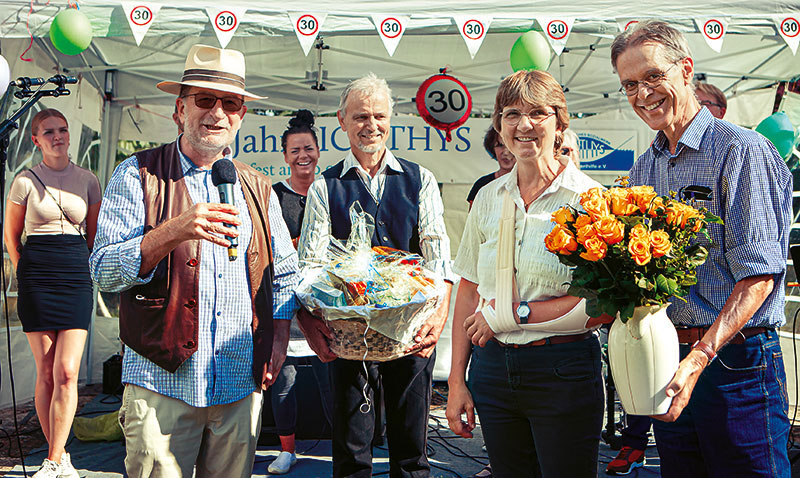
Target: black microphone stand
6,128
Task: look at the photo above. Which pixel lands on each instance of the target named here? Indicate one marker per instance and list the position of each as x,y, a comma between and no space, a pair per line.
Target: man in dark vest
203,333
404,200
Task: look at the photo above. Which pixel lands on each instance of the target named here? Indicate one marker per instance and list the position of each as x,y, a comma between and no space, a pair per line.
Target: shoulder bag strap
64,213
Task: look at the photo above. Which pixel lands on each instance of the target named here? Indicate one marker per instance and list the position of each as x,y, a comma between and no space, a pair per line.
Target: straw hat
213,68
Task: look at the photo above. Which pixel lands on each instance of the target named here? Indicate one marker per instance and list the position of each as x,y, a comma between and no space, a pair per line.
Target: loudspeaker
311,421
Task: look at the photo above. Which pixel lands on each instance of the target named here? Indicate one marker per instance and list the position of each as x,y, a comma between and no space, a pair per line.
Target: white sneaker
49,469
67,470
282,464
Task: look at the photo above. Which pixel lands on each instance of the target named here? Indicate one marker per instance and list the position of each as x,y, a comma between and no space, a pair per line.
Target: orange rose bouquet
630,247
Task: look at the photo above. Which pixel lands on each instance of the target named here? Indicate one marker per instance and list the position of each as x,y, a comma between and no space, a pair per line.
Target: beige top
540,275
74,188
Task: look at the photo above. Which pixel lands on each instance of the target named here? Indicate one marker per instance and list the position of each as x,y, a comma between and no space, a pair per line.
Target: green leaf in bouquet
626,312
645,284
711,218
592,309
630,221
665,285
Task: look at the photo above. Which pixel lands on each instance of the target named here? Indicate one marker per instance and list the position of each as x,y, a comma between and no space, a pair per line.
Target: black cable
791,443
8,328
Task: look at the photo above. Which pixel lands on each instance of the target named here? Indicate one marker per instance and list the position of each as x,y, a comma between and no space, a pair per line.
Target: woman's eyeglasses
206,101
513,117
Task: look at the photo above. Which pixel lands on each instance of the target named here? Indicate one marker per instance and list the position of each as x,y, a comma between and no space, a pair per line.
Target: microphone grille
223,172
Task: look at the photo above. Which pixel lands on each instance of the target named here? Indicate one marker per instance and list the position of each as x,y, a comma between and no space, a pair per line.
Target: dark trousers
284,398
634,434
540,408
736,423
407,396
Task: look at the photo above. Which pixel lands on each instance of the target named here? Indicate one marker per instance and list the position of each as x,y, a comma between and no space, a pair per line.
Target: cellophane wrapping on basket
387,288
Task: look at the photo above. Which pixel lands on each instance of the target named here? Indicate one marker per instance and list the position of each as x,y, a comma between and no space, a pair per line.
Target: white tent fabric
116,95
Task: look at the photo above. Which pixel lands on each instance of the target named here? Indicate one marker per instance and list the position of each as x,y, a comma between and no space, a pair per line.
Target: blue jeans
540,408
736,423
284,399
634,434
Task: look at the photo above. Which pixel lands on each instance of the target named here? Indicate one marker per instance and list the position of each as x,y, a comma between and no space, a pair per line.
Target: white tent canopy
116,95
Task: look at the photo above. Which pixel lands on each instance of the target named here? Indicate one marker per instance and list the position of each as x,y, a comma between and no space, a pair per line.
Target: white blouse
539,274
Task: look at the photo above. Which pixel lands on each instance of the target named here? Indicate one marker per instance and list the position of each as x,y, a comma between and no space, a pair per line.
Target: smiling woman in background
56,204
301,153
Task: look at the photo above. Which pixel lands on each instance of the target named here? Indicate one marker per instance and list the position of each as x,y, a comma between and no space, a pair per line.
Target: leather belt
690,335
554,340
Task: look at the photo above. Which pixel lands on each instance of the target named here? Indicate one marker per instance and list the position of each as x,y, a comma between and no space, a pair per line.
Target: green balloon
779,130
71,32
530,52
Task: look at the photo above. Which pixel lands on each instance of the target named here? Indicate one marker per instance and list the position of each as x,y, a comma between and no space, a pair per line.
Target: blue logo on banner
598,154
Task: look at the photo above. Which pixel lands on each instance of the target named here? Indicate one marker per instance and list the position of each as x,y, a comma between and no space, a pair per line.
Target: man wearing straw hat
204,333
404,200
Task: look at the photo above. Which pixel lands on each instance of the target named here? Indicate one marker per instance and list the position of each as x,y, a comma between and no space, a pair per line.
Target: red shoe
626,460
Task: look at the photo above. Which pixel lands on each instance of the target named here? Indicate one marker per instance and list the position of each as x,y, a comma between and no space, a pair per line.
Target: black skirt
55,288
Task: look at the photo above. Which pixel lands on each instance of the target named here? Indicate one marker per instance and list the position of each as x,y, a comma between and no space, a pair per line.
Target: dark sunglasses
231,104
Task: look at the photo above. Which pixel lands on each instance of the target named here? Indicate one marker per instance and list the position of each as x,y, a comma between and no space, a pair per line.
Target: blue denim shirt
751,191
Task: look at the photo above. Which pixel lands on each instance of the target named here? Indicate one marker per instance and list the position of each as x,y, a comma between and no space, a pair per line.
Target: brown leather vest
159,319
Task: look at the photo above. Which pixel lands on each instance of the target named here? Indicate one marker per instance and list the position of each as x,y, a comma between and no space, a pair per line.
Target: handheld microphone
223,175
24,82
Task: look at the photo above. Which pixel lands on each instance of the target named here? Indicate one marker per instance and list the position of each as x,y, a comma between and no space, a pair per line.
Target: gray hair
368,84
652,31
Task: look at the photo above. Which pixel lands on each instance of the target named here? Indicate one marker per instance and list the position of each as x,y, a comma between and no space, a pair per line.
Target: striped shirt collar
388,160
570,179
188,165
690,138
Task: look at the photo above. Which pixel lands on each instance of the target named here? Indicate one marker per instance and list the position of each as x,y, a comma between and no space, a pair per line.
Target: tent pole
109,134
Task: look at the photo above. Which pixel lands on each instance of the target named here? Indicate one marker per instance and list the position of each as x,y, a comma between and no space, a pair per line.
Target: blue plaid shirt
751,191
220,371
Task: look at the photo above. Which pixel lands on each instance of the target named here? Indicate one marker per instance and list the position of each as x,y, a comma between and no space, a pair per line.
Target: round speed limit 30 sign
444,102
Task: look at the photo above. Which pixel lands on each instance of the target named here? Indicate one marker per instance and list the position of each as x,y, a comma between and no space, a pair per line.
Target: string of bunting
307,26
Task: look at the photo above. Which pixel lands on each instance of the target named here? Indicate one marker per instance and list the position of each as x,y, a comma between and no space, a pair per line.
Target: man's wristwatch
523,311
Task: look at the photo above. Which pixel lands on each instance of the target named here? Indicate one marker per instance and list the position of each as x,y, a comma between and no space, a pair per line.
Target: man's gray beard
371,148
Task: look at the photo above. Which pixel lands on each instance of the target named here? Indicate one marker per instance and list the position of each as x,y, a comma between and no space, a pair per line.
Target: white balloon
5,75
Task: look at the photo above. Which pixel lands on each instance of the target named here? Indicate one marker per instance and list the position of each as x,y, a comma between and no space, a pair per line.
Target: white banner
225,22
306,26
557,31
390,29
473,30
713,30
789,28
140,16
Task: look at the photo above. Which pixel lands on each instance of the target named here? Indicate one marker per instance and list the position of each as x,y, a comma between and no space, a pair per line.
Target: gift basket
374,299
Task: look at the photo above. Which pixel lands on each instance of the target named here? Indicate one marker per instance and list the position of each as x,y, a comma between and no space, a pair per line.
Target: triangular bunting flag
713,30
140,16
557,31
625,23
473,30
225,22
391,29
306,27
789,28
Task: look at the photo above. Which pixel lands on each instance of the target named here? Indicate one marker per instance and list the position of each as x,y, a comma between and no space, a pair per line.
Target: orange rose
659,240
585,233
560,241
642,196
639,232
582,221
594,203
596,249
562,216
656,204
610,230
678,213
621,201
639,250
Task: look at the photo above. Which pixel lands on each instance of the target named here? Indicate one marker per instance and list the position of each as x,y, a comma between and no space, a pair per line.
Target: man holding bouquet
729,409
407,208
